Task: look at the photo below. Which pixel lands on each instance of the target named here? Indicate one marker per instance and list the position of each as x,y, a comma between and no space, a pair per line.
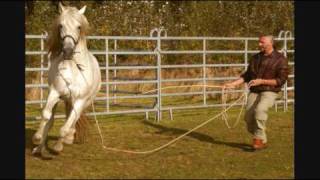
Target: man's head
266,43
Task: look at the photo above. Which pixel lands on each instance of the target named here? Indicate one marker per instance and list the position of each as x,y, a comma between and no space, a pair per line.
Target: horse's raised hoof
58,147
36,139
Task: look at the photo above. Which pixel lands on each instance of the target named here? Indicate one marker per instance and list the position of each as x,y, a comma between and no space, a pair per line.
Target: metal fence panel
158,82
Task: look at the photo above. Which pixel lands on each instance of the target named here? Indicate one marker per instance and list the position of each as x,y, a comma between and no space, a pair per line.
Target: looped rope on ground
225,115
222,113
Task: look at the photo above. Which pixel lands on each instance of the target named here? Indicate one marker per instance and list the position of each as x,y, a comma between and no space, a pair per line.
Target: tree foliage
180,18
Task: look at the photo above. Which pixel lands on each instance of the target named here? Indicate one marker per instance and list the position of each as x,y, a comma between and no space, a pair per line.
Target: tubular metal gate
160,36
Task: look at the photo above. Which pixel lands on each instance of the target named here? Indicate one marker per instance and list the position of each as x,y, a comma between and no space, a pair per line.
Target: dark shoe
258,144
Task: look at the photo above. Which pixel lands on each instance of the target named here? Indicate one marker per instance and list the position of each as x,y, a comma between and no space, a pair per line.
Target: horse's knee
46,114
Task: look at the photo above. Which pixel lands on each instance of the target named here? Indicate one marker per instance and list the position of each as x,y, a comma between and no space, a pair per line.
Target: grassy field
213,151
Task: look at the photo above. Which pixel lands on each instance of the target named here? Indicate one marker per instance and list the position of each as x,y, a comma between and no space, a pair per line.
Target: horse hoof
36,139
38,151
68,140
58,147
35,150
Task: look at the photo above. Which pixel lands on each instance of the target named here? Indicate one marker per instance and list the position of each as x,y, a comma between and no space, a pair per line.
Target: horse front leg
68,139
68,127
46,123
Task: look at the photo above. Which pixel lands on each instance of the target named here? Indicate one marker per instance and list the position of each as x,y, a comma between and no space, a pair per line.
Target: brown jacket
273,66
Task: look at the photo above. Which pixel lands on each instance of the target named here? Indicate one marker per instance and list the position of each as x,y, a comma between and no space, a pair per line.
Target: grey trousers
257,113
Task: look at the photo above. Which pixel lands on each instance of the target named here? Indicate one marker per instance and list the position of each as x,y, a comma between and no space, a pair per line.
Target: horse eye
79,27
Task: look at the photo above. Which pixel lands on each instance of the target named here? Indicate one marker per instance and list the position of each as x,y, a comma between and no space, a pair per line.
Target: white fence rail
158,68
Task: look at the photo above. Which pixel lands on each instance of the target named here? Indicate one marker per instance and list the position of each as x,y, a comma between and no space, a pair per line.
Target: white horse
74,76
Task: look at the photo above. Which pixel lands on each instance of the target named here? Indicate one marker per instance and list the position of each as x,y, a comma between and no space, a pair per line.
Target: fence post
285,85
41,72
285,104
159,74
115,72
246,64
107,73
286,55
204,76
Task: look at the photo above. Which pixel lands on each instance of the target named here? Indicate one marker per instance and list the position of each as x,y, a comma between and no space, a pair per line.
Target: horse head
69,29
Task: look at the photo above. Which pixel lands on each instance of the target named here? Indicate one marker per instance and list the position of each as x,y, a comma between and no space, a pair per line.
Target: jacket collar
273,53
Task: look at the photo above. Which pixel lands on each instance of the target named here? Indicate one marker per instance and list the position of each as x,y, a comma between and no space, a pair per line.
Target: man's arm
282,76
283,72
257,82
234,83
244,77
270,82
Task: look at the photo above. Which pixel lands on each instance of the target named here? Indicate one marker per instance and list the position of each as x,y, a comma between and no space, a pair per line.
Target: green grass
213,151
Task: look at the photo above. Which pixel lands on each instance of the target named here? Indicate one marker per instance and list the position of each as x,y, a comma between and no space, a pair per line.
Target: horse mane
54,44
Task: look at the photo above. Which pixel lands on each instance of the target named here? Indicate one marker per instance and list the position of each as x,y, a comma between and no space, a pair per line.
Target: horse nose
67,52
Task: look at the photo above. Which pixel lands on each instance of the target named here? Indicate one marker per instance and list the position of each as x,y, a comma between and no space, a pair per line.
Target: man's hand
233,84
255,82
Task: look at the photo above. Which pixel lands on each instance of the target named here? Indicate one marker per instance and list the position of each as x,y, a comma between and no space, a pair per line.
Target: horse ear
61,8
82,10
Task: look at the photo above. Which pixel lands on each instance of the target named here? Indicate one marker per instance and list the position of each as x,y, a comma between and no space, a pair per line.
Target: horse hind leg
66,129
78,130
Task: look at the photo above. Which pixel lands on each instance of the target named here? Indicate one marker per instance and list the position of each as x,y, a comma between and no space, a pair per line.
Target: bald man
266,73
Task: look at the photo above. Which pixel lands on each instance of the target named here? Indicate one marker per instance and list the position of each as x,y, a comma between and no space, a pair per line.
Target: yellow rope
225,115
181,136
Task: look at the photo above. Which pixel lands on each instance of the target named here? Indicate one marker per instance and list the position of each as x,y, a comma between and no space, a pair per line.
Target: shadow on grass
199,136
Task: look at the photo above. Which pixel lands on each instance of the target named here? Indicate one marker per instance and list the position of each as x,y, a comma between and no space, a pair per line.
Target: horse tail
82,129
